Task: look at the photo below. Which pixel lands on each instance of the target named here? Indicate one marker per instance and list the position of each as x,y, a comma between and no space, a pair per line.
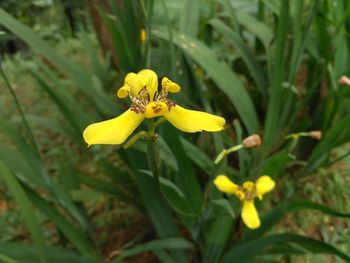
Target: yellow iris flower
247,193
149,100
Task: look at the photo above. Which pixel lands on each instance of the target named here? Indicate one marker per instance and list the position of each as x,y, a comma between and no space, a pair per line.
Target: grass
117,224
82,185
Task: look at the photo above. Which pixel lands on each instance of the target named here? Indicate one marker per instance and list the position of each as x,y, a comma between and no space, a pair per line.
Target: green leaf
338,134
197,156
244,51
29,217
189,18
65,65
258,28
275,165
275,100
165,243
158,210
246,252
273,5
76,236
225,204
109,188
277,214
222,75
174,196
218,236
6,259
19,164
28,154
185,178
28,253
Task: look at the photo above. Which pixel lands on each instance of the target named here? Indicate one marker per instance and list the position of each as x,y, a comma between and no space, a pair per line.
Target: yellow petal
149,79
250,215
264,184
194,121
170,86
131,84
225,185
123,92
114,131
156,109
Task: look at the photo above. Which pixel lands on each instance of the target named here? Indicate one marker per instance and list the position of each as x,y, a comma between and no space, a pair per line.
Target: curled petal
263,185
250,215
225,185
131,84
170,86
114,131
123,92
194,121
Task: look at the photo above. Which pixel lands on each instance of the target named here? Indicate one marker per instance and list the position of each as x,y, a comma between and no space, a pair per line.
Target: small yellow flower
149,100
247,193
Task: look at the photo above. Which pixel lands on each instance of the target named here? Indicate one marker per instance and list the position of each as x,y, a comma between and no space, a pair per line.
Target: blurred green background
270,67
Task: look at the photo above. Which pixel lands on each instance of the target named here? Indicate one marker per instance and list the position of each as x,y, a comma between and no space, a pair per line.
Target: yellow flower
149,100
247,193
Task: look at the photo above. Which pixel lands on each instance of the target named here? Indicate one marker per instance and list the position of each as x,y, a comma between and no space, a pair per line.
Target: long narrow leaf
29,217
221,74
248,251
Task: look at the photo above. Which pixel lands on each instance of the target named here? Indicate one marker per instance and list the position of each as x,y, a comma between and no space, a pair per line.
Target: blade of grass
189,18
275,103
29,132
27,253
247,251
221,74
166,243
278,213
73,234
65,65
246,54
29,217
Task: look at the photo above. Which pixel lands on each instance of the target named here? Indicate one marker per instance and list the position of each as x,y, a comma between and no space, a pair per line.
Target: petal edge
194,121
113,131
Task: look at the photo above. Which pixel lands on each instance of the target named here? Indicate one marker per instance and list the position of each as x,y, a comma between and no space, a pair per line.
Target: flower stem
226,152
153,159
153,156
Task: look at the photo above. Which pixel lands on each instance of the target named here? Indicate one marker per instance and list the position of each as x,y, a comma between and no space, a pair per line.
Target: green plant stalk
226,152
153,156
19,108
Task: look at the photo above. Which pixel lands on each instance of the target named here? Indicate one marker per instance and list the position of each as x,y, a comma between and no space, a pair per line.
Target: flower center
152,107
147,93
247,191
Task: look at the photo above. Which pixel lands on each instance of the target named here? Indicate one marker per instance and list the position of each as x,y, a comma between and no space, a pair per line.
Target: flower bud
344,80
315,134
252,141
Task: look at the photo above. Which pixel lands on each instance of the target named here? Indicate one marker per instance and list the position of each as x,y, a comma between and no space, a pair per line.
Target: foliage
269,67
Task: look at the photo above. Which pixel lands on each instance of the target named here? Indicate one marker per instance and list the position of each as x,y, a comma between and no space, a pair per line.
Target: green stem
160,121
153,156
30,134
226,152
